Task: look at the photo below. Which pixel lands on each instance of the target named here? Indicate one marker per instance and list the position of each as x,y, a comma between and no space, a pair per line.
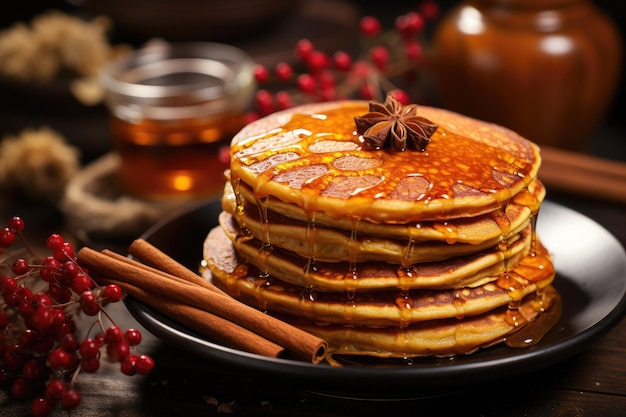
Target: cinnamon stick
582,174
148,253
204,323
298,342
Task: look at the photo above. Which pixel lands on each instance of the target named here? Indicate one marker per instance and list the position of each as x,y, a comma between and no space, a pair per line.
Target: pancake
405,244
471,270
469,168
440,338
381,308
387,230
470,230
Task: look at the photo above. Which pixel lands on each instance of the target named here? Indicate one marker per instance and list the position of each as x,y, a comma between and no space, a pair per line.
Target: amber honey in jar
174,108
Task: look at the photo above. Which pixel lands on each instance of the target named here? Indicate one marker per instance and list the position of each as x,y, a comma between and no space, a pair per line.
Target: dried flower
55,44
394,126
38,162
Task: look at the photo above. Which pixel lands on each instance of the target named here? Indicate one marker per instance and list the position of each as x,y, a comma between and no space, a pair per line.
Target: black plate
591,278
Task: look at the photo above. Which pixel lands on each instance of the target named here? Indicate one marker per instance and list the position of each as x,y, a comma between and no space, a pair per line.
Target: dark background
615,123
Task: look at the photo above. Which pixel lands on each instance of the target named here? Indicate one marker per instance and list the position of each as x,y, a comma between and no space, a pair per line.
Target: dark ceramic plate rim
558,227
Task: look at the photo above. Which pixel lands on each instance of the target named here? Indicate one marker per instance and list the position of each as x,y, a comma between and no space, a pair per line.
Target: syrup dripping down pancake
402,244
384,252
442,338
374,308
472,230
471,270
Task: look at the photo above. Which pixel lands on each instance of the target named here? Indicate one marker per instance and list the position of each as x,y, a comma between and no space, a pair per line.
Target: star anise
395,126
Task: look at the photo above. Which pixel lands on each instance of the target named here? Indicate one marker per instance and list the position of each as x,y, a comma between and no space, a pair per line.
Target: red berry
20,266
89,304
25,308
144,364
261,74
54,241
306,83
128,366
304,47
90,365
59,294
20,388
59,317
42,300
100,339
67,326
264,102
34,369
68,342
283,100
42,318
50,270
64,253
429,9
113,335
7,237
59,359
409,24
401,95
40,407
8,285
370,26
317,61
380,56
133,337
112,293
70,399
342,60
14,355
55,390
81,283
367,91
413,50
284,72
16,224
28,337
89,348
118,351
68,273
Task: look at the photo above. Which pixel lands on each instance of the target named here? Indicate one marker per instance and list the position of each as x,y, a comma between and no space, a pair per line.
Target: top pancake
312,157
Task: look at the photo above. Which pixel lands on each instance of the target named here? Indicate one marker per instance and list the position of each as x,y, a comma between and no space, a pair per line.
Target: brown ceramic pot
545,68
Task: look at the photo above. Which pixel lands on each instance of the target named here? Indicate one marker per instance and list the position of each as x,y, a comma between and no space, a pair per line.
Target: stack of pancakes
383,251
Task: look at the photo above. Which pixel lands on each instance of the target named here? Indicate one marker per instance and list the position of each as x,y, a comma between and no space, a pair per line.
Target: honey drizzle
308,292
405,270
533,332
351,277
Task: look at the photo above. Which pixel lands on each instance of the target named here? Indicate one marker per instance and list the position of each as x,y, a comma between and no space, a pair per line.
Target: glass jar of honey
174,108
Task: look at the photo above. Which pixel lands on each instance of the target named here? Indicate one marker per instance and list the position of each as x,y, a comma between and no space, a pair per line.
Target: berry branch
387,59
41,297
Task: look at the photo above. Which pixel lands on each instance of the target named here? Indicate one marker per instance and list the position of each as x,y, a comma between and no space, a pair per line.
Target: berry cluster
386,59
41,354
